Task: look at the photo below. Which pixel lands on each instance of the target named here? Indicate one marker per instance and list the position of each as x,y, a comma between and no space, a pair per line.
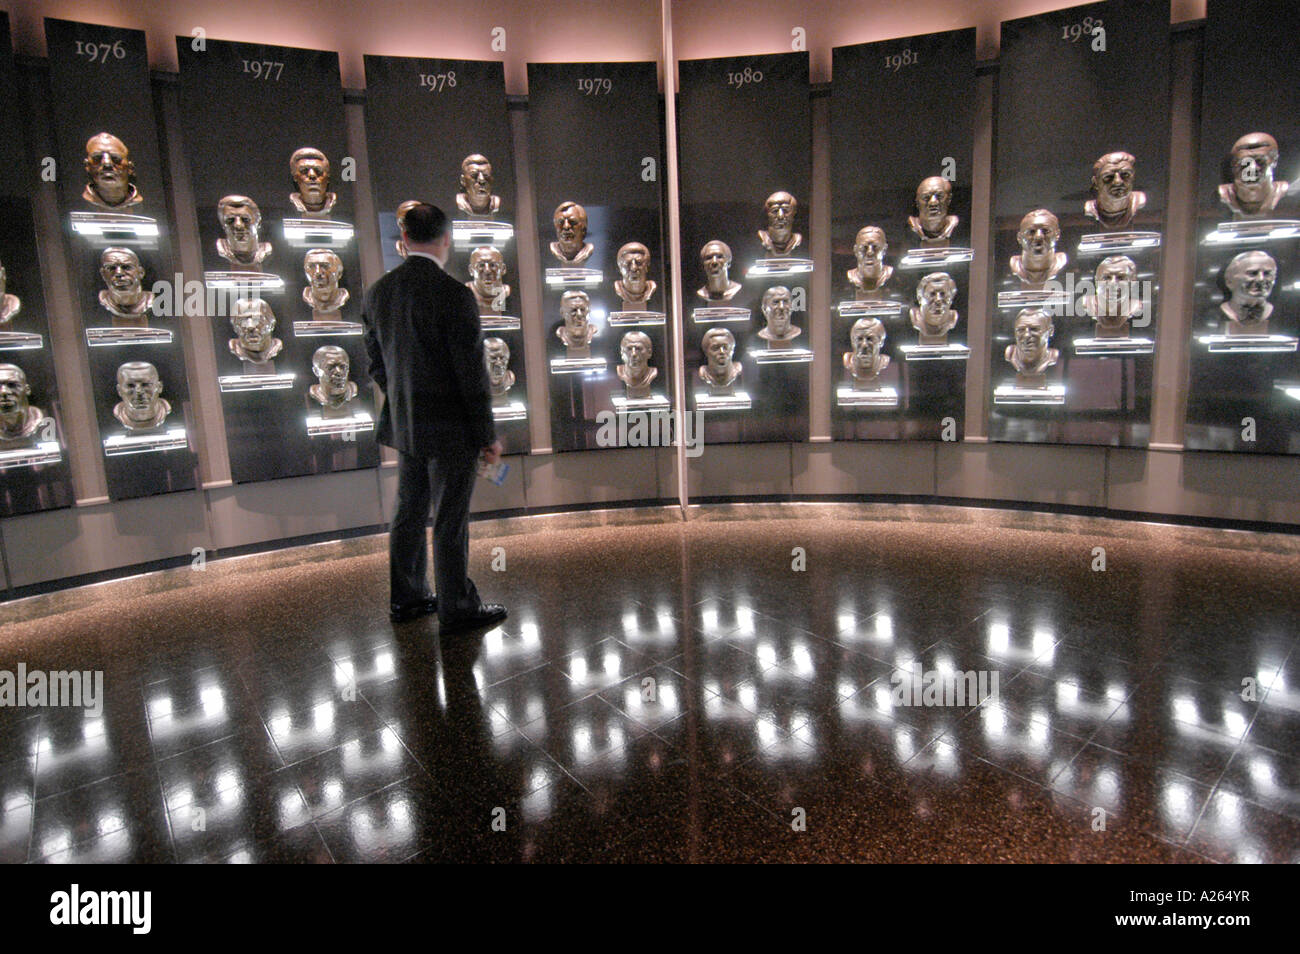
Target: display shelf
118,445
113,337
880,398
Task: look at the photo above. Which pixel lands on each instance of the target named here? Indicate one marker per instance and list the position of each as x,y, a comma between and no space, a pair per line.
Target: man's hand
492,453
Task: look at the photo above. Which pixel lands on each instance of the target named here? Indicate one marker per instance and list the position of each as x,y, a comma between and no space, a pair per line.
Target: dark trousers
443,484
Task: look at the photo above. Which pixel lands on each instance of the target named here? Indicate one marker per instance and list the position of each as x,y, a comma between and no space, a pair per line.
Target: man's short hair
424,223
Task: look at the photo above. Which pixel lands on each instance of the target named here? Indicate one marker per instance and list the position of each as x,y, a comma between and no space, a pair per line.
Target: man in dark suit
426,354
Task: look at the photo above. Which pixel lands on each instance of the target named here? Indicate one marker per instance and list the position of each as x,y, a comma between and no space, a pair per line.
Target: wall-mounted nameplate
1116,346
245,283
917,258
316,329
782,356
945,352
1247,344
115,228
513,411
719,313
1112,243
256,382
19,341
886,397
498,323
627,405
779,267
317,233
1010,394
118,445
1290,388
869,309
357,423
577,365
466,235
574,277
1257,230
740,401
632,318
1033,298
110,337
45,452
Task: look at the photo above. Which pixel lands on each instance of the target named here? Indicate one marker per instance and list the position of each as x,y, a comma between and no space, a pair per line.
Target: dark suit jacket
426,354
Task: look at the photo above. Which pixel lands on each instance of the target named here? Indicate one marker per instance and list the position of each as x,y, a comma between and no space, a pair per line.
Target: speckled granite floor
679,691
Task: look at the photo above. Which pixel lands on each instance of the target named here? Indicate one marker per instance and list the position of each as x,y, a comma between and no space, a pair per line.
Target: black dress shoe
486,615
408,611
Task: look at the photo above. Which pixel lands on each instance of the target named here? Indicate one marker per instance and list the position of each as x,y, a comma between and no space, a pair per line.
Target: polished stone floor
729,688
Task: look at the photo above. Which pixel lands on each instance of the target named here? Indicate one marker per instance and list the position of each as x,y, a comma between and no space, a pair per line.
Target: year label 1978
437,82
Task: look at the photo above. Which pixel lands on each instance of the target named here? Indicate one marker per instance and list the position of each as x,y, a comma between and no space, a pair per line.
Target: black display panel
99,82
901,113
595,139
247,109
745,135
34,472
1074,86
1243,394
424,118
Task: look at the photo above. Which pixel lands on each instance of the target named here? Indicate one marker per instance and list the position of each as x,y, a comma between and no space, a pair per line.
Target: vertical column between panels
674,241
1169,400
981,239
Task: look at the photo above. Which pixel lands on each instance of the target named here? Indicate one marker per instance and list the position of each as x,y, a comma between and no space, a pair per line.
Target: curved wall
97,536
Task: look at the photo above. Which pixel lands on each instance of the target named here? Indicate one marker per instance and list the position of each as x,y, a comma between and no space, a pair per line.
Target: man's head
331,364
776,309
14,390
1113,177
121,271
635,349
719,345
139,387
867,336
496,355
1114,280
869,248
570,221
575,307
476,182
715,257
487,267
109,167
634,264
241,220
310,171
1254,159
935,293
780,208
1038,234
323,269
1033,329
254,323
424,229
933,196
1250,277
